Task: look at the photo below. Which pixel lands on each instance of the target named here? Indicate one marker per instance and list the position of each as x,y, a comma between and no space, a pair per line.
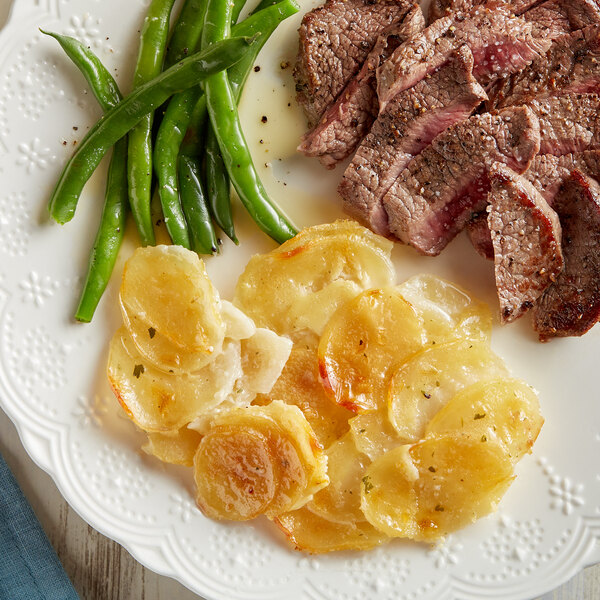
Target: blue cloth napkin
29,567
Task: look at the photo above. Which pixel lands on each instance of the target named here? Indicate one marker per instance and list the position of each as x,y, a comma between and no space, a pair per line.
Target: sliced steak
443,8
526,238
568,124
570,66
335,40
571,305
435,196
500,42
406,126
349,119
555,18
479,234
547,172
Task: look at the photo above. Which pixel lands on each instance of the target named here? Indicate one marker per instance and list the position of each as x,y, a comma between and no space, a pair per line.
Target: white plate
52,380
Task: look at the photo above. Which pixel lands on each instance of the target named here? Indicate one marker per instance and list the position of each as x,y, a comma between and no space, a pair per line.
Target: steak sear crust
526,237
571,305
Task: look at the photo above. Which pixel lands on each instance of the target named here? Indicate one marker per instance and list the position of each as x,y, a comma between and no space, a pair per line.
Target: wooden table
101,569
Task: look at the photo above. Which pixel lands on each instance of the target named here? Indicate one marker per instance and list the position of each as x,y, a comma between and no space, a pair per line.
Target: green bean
101,82
202,233
266,21
264,4
222,109
193,141
149,64
218,186
256,24
168,142
186,32
119,120
236,9
116,203
111,232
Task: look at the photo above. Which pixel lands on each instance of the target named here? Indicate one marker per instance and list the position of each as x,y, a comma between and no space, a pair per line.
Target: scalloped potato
312,533
427,381
448,311
157,401
340,500
504,410
258,460
346,409
175,447
362,342
373,434
182,330
436,486
301,283
299,385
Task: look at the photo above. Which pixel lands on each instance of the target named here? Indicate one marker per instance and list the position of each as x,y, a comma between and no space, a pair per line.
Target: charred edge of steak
571,306
526,236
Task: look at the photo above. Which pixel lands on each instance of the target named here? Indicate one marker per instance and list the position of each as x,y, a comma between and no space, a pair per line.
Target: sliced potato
449,312
264,355
427,381
299,385
177,447
436,486
373,433
287,289
161,351
258,460
505,410
165,289
340,500
362,342
311,533
234,470
237,325
159,402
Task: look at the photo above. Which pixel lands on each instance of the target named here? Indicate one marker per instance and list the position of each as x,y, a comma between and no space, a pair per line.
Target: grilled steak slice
435,196
570,66
500,42
349,119
479,234
406,126
571,305
335,40
526,238
443,8
555,18
547,172
568,124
